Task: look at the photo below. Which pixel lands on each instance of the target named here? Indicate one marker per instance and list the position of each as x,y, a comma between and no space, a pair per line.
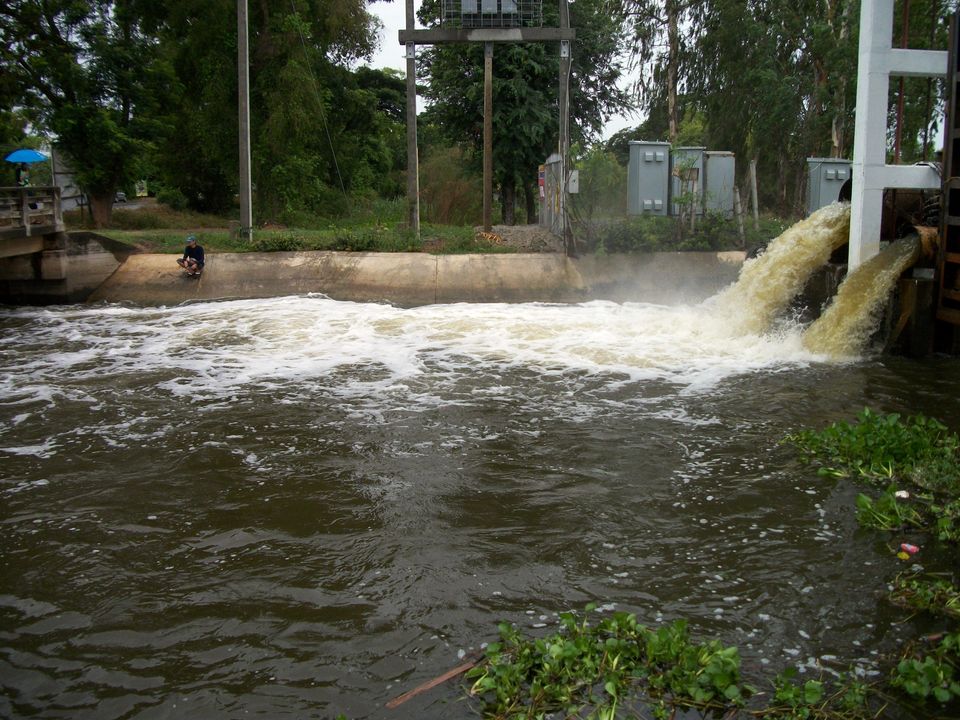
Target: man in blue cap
192,260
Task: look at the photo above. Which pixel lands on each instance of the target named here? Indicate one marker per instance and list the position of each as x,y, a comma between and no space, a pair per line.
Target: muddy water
296,507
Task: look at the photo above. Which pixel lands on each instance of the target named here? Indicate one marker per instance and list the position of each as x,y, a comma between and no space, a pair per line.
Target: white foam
207,351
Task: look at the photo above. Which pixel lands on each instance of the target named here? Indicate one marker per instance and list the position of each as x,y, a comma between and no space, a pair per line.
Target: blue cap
191,238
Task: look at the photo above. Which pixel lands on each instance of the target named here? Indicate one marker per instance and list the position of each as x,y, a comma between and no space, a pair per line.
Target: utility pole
564,102
487,136
413,162
243,82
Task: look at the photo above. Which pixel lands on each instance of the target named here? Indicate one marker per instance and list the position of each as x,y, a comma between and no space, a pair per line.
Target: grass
377,238
378,225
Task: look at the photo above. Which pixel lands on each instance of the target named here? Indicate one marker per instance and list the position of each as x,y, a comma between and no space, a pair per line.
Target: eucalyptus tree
319,131
525,93
90,76
662,32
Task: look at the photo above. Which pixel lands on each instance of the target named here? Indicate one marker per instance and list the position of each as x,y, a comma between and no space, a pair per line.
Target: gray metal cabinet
648,178
721,174
825,177
687,177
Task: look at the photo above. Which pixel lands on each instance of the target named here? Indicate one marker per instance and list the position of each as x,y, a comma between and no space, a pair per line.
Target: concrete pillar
53,265
878,60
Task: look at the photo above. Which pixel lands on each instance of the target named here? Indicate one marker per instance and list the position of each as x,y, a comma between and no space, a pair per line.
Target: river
296,507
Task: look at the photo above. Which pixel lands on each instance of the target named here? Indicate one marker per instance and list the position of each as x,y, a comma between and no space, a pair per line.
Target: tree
772,79
525,84
319,131
659,49
87,74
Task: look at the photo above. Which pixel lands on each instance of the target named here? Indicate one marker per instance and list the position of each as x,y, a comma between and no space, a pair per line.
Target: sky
391,54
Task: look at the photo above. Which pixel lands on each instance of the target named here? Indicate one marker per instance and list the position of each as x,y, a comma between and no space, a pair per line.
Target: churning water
846,325
296,507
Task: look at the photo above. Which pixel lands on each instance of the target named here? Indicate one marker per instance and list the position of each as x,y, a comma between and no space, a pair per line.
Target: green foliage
801,699
931,676
603,667
525,116
172,197
602,185
885,512
880,446
655,233
890,452
450,193
91,75
935,596
279,242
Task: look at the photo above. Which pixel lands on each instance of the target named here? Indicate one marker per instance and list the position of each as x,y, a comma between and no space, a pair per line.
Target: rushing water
846,325
769,282
296,507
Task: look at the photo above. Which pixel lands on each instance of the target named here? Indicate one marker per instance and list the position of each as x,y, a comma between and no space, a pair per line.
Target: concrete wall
68,272
410,279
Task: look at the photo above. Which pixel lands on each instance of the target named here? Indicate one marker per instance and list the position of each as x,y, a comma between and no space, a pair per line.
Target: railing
31,209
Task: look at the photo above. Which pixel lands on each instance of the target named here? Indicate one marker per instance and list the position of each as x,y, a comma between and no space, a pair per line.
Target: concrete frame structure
410,37
877,62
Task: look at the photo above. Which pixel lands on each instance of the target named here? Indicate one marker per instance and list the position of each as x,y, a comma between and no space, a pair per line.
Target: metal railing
30,208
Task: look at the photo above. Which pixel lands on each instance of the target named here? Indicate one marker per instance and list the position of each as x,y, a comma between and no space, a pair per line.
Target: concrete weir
411,279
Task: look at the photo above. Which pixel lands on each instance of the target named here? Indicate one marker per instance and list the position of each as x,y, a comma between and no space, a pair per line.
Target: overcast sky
390,52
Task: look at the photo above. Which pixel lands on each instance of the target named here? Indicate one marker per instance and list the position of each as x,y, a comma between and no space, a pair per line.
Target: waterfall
769,282
846,325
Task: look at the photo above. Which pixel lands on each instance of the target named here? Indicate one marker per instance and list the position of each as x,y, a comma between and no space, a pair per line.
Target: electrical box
720,175
573,184
648,178
825,177
686,171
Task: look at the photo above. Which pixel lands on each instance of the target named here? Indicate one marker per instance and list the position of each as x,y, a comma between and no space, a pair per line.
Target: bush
657,233
449,194
277,243
603,185
172,198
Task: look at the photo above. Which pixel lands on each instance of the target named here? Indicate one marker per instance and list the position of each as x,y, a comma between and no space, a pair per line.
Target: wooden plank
430,684
950,294
949,315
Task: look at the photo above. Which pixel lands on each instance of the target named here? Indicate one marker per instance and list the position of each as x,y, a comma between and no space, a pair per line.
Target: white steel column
878,60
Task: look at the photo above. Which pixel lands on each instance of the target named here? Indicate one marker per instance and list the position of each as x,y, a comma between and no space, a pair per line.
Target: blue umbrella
25,155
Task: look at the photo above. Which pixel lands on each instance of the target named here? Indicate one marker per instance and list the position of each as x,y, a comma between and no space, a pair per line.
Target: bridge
31,224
